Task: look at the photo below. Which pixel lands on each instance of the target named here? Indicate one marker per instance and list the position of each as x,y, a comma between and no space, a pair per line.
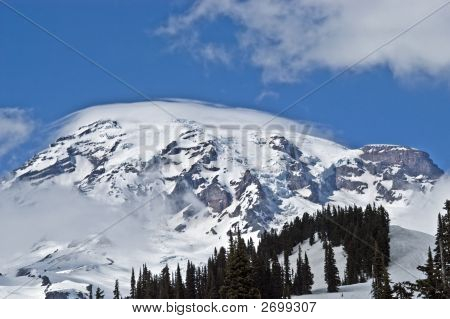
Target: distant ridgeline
244,271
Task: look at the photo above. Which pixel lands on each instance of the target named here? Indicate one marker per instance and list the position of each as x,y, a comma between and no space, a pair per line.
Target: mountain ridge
211,168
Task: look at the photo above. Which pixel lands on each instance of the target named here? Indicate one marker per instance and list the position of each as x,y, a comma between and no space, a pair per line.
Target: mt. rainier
192,172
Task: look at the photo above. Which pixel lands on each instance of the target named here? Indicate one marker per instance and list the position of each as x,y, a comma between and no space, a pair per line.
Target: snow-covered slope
408,249
184,173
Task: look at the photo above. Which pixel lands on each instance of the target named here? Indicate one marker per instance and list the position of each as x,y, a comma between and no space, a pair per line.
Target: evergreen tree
221,266
287,285
442,254
116,292
238,281
351,267
381,288
312,239
139,294
308,277
190,292
298,280
89,289
436,285
331,272
276,280
213,289
165,290
427,287
201,279
179,285
132,285
403,290
99,294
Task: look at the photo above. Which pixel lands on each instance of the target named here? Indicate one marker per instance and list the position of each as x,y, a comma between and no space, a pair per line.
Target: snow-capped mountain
191,170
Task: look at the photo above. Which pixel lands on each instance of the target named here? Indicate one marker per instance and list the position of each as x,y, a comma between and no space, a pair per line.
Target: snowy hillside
178,175
408,247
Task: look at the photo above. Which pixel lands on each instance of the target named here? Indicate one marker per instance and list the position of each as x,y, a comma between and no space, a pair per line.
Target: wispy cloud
288,38
16,127
266,94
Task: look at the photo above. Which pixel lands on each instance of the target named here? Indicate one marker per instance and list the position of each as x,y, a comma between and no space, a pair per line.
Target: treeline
244,271
436,284
358,230
239,272
436,281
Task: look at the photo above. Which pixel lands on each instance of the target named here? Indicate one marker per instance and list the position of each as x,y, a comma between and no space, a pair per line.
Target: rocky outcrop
247,180
257,205
215,196
410,161
280,143
391,169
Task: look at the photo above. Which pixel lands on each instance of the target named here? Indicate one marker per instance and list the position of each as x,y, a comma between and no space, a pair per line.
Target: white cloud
266,94
15,128
288,38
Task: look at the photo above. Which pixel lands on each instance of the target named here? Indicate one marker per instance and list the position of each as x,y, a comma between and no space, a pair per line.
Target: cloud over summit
288,38
15,127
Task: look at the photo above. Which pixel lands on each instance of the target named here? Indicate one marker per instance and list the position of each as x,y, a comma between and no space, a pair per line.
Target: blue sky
217,58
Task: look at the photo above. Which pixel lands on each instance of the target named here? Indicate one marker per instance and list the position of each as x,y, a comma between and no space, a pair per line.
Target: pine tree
287,285
351,268
165,290
99,294
213,290
89,289
312,239
308,277
116,292
427,287
132,285
276,280
436,285
201,279
331,272
238,281
298,280
403,290
221,266
139,294
179,285
190,292
381,288
442,254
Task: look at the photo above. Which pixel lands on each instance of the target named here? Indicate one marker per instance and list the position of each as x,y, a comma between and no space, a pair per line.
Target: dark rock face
56,295
345,170
215,196
96,153
404,167
63,295
357,186
180,228
247,180
66,165
280,143
388,195
299,177
23,272
356,167
297,173
412,162
257,205
45,281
